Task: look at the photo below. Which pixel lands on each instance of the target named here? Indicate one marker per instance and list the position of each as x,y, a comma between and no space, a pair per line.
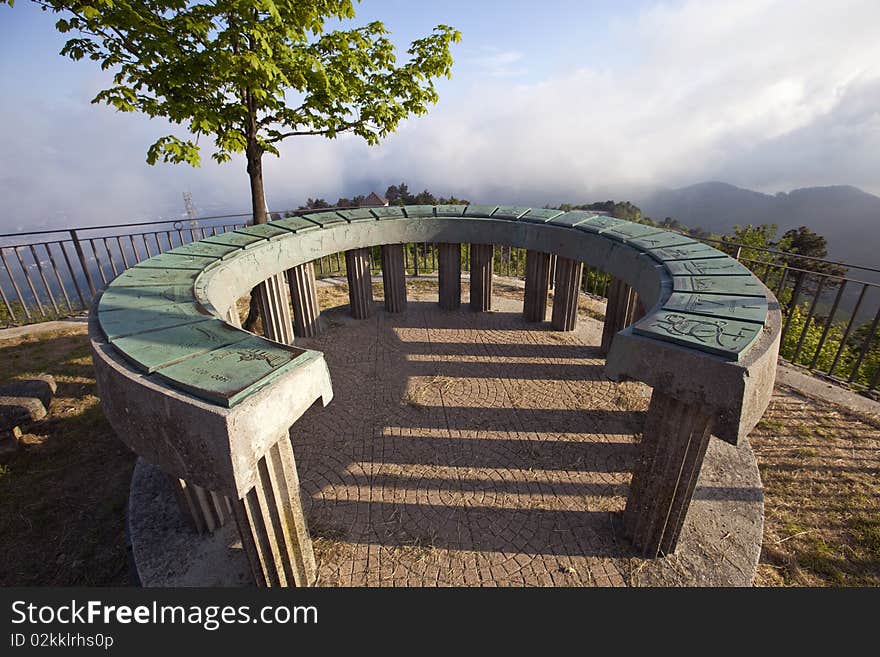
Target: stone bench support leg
394,278
673,445
275,309
305,300
449,275
537,286
481,277
272,524
565,294
360,283
206,510
621,311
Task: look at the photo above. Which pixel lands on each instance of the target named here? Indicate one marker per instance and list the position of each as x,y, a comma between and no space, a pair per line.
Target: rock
19,410
41,387
9,440
25,401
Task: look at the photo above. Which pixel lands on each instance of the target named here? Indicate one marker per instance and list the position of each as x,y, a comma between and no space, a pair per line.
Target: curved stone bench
211,404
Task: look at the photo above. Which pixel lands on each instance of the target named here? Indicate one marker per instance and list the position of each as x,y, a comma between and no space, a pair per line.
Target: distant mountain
848,217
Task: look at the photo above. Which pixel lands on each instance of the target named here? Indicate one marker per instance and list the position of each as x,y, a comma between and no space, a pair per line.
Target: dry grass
820,466
63,493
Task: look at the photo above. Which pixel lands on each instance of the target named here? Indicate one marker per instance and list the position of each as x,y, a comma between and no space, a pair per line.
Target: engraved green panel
570,219
389,212
240,240
204,249
744,309
537,214
129,298
630,231
227,375
295,224
265,231
513,212
419,210
686,252
450,210
707,267
599,222
361,214
660,240
155,349
744,286
119,323
723,337
145,276
325,219
480,210
170,260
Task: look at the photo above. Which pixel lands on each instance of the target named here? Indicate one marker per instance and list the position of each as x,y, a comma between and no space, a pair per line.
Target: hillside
848,217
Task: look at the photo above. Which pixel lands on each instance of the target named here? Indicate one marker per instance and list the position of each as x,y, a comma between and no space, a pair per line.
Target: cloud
769,94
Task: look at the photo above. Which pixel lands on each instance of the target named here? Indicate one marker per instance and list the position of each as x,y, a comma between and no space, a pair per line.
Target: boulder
25,401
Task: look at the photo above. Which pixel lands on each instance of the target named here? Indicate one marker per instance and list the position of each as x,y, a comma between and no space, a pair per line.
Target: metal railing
50,274
830,317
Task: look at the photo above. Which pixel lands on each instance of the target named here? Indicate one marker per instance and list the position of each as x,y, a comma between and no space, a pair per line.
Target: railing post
82,260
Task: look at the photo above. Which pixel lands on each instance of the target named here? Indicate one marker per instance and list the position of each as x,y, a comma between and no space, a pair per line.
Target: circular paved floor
470,448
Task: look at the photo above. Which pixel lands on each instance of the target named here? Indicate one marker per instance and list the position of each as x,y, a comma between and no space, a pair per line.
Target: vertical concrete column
232,316
360,283
621,310
537,286
449,275
673,445
275,309
394,278
481,277
305,300
566,291
272,524
205,509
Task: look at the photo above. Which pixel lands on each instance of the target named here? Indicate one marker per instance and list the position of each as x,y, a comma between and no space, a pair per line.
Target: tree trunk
255,171
258,204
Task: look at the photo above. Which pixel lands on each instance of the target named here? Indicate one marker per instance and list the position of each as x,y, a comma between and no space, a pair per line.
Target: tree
758,237
805,242
251,73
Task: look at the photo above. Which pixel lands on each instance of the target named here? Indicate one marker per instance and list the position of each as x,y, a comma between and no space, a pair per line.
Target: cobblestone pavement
467,449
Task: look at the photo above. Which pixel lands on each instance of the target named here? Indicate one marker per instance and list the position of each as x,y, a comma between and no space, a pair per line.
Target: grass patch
63,494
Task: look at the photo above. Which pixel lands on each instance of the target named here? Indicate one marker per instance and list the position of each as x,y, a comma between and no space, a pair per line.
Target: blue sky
549,102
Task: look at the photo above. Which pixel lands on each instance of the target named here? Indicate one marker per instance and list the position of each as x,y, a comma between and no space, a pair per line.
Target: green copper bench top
150,315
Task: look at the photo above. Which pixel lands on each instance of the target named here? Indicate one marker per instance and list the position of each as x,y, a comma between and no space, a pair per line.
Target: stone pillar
360,283
537,286
394,278
305,300
205,509
621,310
232,316
449,275
275,309
566,291
673,445
481,277
272,524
